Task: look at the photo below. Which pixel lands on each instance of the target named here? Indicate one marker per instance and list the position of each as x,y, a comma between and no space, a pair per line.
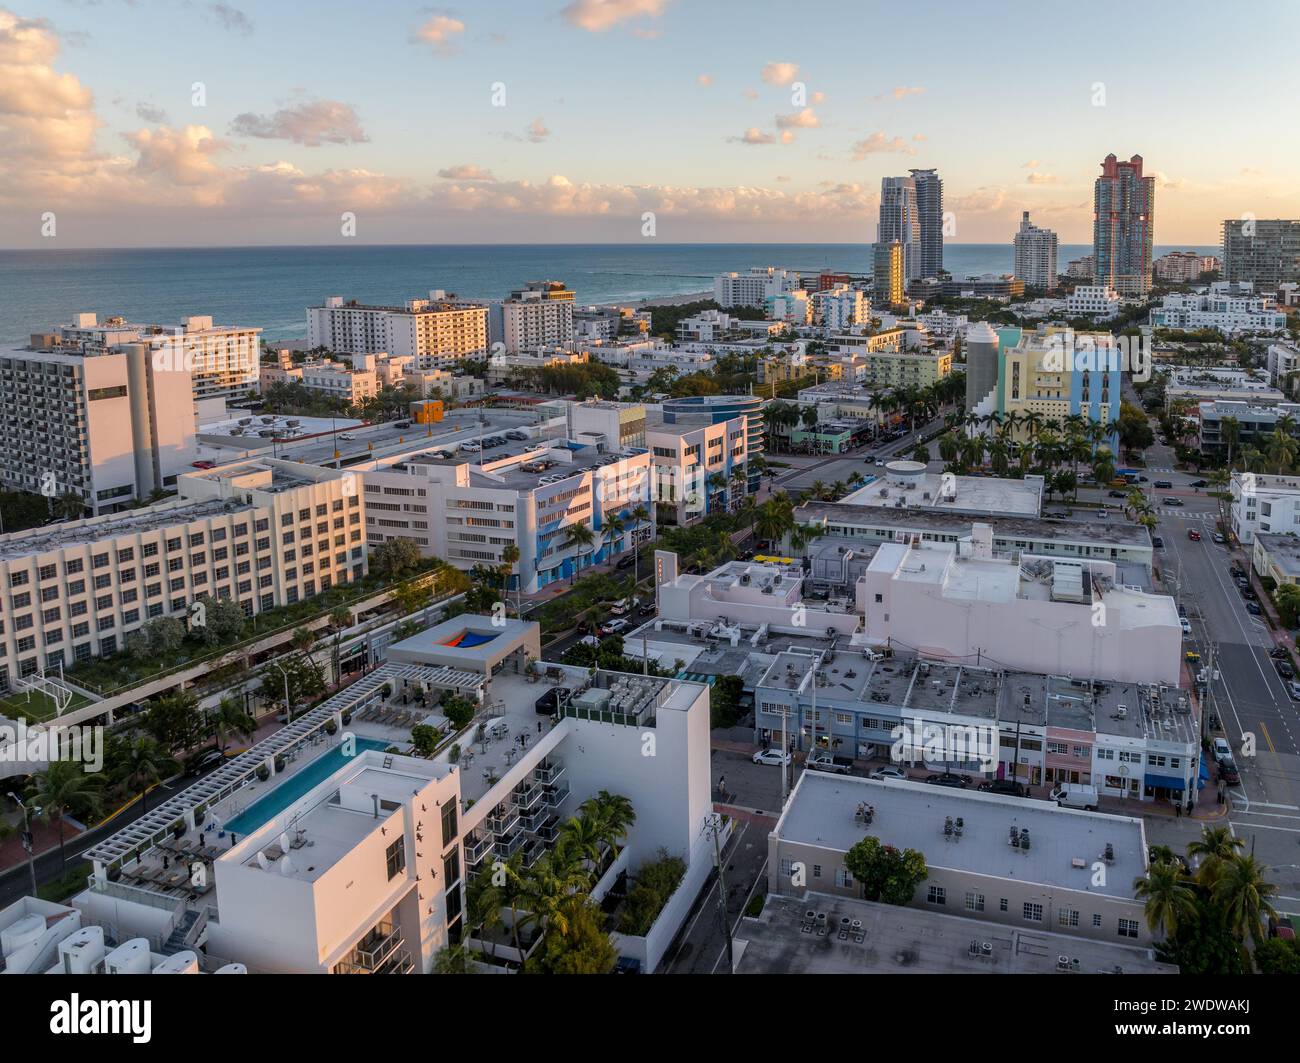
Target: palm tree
1243,893
142,765
579,537
1103,466
62,786
802,534
483,903
1169,899
68,506
613,533
1215,848
340,618
1282,449
949,447
230,718
775,518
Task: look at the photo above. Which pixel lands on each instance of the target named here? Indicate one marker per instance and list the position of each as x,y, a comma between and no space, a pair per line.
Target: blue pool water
288,792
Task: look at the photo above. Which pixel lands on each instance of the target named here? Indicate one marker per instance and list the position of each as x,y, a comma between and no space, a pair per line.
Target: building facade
898,254
1124,203
1264,252
929,210
437,331
540,314
1035,261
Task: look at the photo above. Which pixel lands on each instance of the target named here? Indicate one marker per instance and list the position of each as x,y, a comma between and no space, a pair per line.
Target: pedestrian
1178,809
539,726
722,785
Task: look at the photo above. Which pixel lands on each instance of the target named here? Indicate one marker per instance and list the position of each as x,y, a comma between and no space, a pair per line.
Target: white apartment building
1081,268
364,870
698,469
103,422
841,308
1066,617
260,532
942,324
437,332
1184,267
1035,255
441,384
793,307
222,360
466,509
1092,300
1262,502
1219,309
708,326
753,288
1283,360
336,380
539,314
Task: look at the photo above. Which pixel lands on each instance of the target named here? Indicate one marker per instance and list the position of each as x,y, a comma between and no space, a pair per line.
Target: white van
1075,795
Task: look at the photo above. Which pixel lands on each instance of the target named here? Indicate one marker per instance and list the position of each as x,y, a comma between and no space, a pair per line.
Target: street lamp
287,710
29,843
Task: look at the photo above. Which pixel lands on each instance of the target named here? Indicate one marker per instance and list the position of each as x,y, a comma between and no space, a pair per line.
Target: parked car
204,464
1182,610
1253,609
770,756
1228,772
549,703
1074,795
1279,653
1004,786
626,561
516,434
879,463
888,773
201,762
1170,500
822,760
1185,624
1284,669
1218,537
1221,749
614,627
1194,535
1157,543
1248,592
947,778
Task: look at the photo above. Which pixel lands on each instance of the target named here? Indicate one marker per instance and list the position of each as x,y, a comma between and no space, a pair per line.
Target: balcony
549,830
548,771
531,821
527,796
478,847
511,844
381,951
556,794
503,820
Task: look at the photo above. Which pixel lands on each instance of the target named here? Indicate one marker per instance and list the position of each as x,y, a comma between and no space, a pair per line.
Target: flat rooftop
914,941
52,537
1283,551
956,494
1092,533
821,812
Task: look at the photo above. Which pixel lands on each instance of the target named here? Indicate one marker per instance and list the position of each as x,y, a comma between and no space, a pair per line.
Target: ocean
269,287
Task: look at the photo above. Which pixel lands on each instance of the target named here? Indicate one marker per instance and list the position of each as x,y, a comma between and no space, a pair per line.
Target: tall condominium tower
929,209
1124,204
1262,252
1035,255
900,225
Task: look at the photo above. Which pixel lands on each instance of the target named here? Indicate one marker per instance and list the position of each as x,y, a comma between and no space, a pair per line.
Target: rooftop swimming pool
294,787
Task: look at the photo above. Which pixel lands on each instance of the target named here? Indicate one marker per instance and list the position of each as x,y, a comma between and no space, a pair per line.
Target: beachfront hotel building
260,532
540,314
436,332
103,421
1035,261
753,288
1123,228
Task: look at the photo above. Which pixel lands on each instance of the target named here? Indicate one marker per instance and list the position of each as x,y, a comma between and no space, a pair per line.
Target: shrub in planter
280,763
388,690
331,727
346,717
199,816
454,755
263,773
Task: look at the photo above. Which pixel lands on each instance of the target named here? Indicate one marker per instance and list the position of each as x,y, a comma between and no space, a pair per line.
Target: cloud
310,124
749,94
232,19
704,80
466,172
182,156
147,112
984,200
753,135
818,97
1036,178
537,131
439,32
1032,164
879,144
783,178
1163,180
919,136
902,91
780,73
597,16
804,119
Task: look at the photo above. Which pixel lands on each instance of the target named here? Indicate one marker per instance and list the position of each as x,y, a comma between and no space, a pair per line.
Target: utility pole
713,824
29,840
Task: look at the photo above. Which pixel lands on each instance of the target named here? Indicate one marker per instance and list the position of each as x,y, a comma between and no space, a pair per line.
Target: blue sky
727,120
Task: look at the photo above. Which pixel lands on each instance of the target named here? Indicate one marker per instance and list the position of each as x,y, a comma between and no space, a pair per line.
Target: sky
566,121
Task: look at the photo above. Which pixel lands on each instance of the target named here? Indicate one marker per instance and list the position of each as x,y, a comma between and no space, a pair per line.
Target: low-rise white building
1095,301
1262,502
1229,311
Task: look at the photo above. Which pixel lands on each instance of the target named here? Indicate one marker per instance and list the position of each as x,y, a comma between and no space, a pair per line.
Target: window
1096,920
1068,917
448,823
395,857
936,895
451,869
1128,928
1002,904
1033,912
843,879
974,901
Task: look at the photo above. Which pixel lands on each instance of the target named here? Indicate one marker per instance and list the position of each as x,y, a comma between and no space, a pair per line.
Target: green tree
1245,896
229,718
425,738
584,947
1277,956
1212,852
395,558
143,764
64,787
886,874
175,721
1168,900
